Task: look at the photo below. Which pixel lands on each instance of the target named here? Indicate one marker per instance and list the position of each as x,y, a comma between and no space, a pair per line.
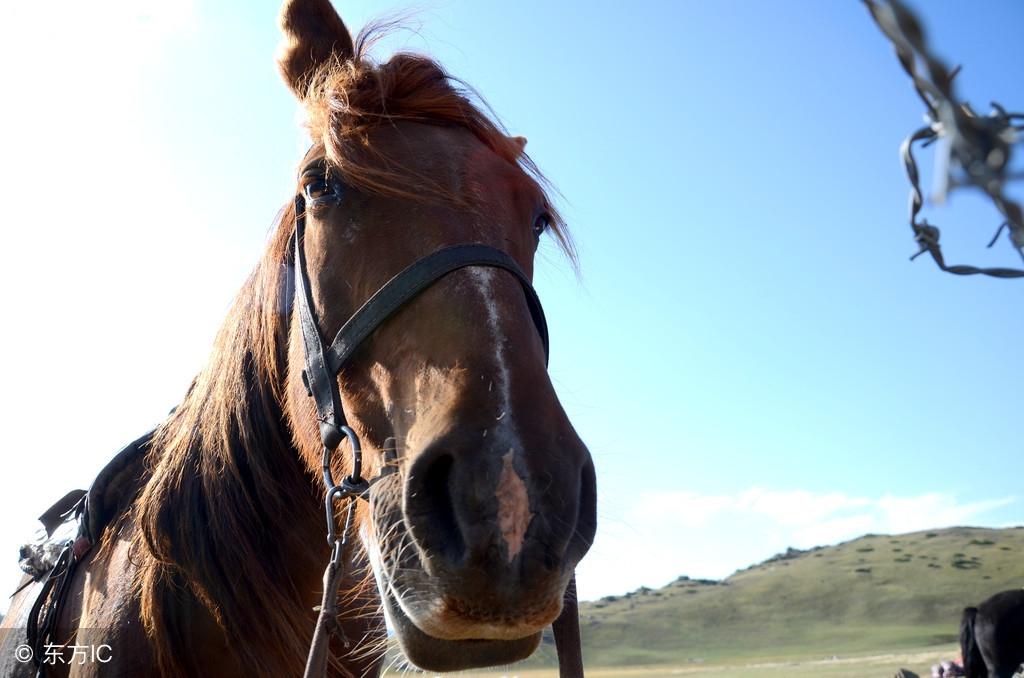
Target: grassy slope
873,594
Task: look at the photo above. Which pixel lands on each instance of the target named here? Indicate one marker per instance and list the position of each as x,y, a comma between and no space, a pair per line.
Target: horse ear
313,34
520,142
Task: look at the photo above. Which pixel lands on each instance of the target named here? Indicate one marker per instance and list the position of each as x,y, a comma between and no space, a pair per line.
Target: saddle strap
43,617
567,635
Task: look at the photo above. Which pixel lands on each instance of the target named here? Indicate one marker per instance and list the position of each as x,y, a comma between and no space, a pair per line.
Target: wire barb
978,147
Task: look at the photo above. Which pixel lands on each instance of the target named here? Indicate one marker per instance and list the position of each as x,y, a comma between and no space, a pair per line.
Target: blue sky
747,351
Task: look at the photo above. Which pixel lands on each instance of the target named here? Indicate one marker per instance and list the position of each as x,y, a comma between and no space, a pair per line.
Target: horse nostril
430,510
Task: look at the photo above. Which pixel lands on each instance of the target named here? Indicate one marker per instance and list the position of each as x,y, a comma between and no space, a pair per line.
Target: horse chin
442,655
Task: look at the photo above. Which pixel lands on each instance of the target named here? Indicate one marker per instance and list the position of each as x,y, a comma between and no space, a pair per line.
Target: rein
323,364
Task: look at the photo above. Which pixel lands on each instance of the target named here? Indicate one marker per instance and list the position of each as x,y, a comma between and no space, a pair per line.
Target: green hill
873,594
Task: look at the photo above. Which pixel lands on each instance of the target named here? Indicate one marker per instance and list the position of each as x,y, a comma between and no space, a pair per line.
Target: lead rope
352,487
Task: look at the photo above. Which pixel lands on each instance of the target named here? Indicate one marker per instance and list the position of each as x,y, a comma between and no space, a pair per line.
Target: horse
992,636
484,496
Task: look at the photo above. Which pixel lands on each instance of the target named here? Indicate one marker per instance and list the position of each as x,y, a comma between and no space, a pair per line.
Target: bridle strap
416,278
320,382
323,364
567,635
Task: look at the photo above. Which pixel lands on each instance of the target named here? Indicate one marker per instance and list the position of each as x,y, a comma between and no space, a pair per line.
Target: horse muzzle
477,543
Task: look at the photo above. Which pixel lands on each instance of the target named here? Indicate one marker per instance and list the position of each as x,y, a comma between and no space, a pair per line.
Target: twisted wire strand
979,145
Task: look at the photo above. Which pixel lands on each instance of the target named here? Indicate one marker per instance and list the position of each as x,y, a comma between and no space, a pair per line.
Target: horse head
475,527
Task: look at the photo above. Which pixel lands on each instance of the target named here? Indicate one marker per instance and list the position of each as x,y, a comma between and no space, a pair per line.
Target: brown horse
214,566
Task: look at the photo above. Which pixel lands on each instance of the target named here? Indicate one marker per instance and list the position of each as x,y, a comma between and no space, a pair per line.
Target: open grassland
864,608
873,595
865,666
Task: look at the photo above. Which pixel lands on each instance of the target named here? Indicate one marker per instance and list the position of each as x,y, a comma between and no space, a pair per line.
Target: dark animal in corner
992,636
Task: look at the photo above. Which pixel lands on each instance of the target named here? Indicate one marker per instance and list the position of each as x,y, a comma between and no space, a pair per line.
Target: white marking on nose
484,278
514,513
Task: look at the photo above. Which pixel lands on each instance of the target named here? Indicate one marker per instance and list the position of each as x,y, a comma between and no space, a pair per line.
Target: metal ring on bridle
353,483
352,486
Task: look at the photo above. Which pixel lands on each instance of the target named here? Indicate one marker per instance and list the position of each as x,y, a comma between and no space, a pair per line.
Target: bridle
322,365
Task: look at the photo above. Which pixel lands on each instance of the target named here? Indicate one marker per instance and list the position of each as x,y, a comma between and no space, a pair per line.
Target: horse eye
318,187
542,224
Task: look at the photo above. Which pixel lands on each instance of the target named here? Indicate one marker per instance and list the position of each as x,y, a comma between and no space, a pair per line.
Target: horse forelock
347,99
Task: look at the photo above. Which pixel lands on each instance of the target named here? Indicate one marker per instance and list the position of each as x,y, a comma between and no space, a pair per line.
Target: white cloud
651,538
930,510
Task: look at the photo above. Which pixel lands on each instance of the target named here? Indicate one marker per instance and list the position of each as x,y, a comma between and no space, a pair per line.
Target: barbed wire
976,148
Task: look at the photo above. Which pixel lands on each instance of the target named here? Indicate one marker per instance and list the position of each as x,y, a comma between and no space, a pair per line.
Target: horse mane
223,476
223,470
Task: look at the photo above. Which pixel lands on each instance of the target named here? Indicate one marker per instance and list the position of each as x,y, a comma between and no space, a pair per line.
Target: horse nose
429,510
475,508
